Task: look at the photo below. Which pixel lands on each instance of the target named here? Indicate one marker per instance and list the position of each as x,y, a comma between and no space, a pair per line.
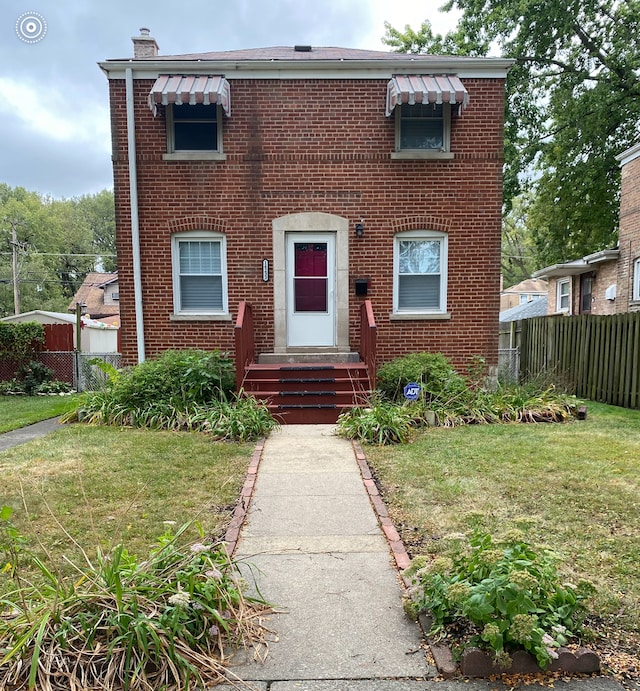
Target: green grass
574,487
19,411
103,486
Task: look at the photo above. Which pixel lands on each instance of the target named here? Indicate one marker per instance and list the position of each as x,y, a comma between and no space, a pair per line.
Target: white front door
311,289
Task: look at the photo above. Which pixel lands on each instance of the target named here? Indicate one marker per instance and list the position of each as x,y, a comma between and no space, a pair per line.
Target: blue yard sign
412,391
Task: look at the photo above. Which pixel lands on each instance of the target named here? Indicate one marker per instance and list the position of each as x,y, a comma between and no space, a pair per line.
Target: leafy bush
123,623
177,377
180,391
19,340
435,374
381,423
33,374
510,594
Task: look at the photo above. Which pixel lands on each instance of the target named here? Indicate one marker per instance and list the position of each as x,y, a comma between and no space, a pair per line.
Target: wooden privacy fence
599,355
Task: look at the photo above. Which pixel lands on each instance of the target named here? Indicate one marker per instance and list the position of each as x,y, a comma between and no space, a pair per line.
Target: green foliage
380,423
20,340
511,594
33,375
59,242
186,390
123,623
434,373
581,53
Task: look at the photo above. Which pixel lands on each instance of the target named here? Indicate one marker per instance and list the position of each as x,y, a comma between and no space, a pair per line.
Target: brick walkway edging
239,515
393,537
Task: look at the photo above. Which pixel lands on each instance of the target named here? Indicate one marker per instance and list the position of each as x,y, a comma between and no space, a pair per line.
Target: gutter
135,220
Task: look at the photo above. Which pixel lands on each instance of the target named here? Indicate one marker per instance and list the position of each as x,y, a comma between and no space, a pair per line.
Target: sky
54,109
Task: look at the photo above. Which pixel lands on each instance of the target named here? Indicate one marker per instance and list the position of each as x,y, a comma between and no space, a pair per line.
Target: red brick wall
316,145
629,237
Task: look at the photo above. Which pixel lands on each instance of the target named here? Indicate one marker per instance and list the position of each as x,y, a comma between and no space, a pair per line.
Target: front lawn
573,487
103,485
19,411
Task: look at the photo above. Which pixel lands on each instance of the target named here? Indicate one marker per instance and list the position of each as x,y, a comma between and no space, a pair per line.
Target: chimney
144,46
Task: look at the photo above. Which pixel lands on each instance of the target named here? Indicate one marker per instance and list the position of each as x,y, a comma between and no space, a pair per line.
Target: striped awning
189,90
425,88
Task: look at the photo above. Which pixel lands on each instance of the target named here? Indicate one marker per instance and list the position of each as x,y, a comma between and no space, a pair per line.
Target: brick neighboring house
583,286
628,297
315,179
521,293
100,295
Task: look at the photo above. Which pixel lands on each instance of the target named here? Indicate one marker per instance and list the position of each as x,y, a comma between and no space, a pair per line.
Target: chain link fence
88,375
508,365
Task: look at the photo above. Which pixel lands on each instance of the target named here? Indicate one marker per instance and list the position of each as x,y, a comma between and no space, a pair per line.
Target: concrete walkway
28,433
322,559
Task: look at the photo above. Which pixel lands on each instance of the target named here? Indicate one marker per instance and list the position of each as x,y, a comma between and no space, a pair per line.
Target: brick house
583,286
299,193
628,297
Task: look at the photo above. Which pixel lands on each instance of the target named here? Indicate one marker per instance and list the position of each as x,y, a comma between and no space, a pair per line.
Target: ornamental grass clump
118,622
505,593
186,390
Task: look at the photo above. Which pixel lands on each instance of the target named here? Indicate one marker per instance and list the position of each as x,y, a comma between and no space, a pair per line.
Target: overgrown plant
509,593
379,423
123,623
18,341
180,391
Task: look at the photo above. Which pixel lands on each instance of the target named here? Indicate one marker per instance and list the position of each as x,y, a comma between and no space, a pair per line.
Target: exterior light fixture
360,229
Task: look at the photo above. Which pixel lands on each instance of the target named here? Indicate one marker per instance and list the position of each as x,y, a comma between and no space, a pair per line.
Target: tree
573,104
59,241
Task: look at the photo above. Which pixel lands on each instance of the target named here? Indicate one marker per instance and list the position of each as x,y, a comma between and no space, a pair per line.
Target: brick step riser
274,388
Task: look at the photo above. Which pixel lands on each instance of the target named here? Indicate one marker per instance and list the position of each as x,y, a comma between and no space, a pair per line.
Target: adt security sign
412,391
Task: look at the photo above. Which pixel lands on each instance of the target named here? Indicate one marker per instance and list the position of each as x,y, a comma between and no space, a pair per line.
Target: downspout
135,225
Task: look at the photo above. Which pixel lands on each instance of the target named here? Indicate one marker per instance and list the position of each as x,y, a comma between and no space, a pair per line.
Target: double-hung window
636,279
563,296
199,273
420,273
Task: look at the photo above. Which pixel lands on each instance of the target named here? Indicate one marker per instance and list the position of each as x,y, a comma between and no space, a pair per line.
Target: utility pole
15,269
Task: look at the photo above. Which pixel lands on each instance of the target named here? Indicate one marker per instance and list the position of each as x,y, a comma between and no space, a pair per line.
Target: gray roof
535,308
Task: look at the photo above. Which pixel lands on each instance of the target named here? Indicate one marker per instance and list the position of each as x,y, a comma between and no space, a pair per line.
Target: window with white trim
199,273
423,127
420,272
636,279
563,295
192,128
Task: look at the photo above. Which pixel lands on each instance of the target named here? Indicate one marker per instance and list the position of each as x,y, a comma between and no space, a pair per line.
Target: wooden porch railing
368,340
244,340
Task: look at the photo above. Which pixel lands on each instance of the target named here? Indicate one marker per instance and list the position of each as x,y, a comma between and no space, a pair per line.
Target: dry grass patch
106,485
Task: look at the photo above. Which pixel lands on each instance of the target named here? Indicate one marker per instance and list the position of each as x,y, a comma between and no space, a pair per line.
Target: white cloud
55,113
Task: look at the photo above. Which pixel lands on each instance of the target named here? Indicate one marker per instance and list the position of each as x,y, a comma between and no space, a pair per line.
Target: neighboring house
520,294
100,296
509,318
583,286
628,298
95,336
306,181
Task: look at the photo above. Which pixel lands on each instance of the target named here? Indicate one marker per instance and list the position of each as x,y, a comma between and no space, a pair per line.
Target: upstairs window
420,273
423,127
199,273
193,128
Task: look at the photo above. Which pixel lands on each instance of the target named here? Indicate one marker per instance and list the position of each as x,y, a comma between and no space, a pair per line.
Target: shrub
435,374
120,622
178,377
510,594
20,340
381,423
32,375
